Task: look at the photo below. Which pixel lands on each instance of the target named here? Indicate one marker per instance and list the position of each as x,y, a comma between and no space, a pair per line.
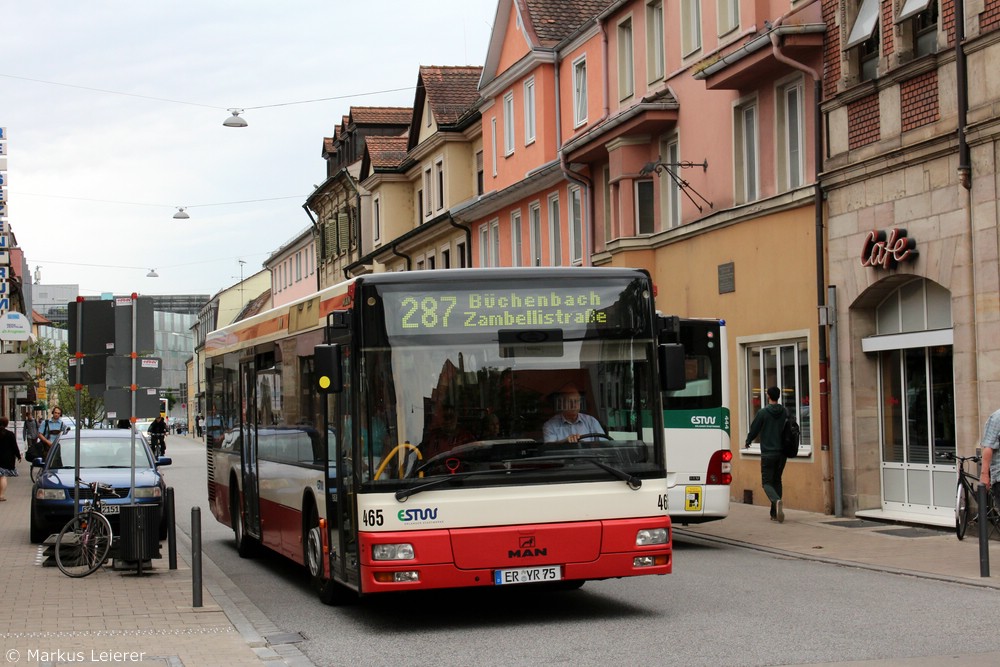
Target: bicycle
83,544
966,498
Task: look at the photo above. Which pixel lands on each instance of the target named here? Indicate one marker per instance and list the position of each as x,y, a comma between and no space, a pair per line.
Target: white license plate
527,575
109,509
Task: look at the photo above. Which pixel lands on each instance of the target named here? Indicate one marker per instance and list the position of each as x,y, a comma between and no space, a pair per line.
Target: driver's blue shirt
559,428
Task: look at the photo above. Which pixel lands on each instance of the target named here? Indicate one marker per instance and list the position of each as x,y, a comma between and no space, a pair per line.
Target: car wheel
38,532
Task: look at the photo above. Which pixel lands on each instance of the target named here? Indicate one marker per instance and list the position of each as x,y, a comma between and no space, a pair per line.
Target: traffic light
327,369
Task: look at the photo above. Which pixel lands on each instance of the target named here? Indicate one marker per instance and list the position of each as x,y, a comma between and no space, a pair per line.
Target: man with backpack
769,423
51,430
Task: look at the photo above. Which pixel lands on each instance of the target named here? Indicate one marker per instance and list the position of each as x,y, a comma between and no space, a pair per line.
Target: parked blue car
105,456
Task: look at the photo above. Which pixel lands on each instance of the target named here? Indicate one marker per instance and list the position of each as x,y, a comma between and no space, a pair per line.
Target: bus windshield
554,384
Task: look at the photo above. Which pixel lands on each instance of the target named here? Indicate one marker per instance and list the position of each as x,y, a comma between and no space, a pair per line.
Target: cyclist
158,435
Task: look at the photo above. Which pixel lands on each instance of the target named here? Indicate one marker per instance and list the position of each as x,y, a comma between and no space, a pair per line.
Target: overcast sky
95,177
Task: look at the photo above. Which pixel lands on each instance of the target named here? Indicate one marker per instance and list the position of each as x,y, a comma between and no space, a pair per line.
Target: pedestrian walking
10,455
30,430
990,474
769,423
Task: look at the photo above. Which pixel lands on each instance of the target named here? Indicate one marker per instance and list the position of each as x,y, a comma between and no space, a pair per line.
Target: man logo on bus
419,514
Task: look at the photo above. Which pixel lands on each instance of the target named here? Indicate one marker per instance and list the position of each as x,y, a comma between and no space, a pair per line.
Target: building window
446,258
920,18
376,220
745,132
429,189
790,124
673,154
606,190
479,172
508,123
493,144
654,40
576,224
484,245
298,266
517,244
580,92
463,259
529,111
555,231
439,184
431,261
495,243
535,227
729,16
420,204
645,220
626,78
690,26
785,365
864,37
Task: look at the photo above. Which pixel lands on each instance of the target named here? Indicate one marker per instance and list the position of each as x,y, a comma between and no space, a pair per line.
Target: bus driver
569,424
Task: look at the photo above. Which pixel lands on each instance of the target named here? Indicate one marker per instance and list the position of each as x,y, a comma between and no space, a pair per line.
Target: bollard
984,532
196,556
171,530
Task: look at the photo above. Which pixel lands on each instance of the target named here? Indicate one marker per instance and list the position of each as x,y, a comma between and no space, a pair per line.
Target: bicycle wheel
83,544
962,511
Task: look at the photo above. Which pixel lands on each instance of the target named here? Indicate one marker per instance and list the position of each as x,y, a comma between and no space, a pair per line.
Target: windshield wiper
633,482
403,494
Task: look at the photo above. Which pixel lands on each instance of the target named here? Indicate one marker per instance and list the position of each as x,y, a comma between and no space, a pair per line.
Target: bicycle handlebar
955,457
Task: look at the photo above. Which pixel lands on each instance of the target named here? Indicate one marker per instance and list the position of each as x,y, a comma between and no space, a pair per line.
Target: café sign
888,248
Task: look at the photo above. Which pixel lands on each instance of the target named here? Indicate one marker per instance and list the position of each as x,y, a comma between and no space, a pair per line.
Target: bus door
248,450
341,484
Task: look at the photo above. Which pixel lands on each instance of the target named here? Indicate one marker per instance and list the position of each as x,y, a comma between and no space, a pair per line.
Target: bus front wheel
246,546
330,592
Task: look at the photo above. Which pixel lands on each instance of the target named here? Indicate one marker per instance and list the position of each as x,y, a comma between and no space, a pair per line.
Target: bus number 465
372,517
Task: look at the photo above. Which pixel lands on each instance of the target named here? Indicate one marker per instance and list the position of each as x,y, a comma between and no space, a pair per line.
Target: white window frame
626,59
728,16
763,359
535,232
508,123
439,183
516,239
791,133
655,62
376,220
298,266
555,230
673,153
647,183
576,224
484,244
690,27
493,144
580,91
495,242
747,151
429,193
529,111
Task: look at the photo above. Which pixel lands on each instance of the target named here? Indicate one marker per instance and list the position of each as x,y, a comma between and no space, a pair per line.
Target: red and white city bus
387,432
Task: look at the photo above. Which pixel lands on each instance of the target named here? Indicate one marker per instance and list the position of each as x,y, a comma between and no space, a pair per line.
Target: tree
48,362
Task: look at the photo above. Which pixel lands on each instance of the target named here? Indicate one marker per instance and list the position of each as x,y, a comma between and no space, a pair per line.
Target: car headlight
392,552
646,537
50,494
147,492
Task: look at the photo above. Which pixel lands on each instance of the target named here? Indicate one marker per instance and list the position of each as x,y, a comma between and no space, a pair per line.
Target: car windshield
100,453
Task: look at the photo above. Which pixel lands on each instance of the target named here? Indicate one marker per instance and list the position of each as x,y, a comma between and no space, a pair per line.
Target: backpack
790,436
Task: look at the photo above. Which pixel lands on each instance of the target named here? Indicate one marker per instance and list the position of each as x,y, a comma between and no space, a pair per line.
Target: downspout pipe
409,260
826,395
468,239
319,235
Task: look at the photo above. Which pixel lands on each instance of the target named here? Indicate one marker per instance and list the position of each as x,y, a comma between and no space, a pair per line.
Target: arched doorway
916,392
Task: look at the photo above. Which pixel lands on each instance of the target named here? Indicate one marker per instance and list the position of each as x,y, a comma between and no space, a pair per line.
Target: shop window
783,364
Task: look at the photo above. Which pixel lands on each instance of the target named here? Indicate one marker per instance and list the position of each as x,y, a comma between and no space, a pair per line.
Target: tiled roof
451,91
555,20
328,146
386,152
380,115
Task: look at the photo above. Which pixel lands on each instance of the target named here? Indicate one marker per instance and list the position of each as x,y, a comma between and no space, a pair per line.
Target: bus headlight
392,552
649,536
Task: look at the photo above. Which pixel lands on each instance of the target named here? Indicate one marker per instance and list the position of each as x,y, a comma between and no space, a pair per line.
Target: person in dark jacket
769,423
157,432
10,454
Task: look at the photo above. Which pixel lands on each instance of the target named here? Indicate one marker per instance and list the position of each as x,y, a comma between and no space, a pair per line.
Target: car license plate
109,509
527,575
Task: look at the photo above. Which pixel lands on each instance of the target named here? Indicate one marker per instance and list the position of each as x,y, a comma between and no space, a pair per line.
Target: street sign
118,403
91,368
97,330
123,325
148,371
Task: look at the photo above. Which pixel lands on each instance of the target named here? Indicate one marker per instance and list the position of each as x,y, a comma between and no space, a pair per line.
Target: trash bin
140,537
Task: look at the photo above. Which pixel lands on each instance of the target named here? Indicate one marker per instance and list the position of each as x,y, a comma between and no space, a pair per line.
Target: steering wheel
595,435
395,450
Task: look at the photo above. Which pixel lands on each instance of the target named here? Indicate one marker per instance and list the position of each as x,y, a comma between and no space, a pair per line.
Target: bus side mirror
672,372
329,378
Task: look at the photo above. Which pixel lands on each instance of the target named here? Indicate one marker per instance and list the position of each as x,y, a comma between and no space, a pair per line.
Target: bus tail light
720,467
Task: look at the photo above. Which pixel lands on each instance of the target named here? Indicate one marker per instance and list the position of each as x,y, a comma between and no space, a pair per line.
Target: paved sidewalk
116,617
891,547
